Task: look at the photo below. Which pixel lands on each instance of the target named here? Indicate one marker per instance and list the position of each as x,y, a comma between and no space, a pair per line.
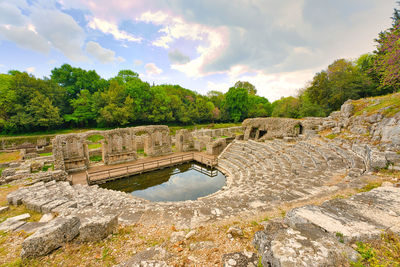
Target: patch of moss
370,186
46,154
331,136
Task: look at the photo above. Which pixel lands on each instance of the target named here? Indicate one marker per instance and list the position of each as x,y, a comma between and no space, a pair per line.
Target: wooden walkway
103,173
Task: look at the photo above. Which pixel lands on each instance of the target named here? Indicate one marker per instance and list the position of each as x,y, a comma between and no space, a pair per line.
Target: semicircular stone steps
261,175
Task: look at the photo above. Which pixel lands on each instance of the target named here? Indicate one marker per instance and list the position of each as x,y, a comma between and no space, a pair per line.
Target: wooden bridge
109,174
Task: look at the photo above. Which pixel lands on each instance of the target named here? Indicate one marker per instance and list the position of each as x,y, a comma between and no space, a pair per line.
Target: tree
117,106
259,107
236,103
83,107
286,107
387,61
76,79
251,89
43,113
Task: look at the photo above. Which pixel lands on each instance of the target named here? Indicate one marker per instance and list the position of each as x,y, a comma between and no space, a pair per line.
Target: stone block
97,227
50,237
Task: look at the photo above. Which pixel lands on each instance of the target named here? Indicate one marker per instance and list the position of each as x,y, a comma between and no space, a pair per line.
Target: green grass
47,167
9,156
141,152
382,252
95,138
94,146
388,105
46,154
18,210
369,187
96,158
1,170
331,136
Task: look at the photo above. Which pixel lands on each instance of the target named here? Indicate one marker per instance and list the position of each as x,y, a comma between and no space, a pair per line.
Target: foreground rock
151,257
322,235
14,223
50,237
238,259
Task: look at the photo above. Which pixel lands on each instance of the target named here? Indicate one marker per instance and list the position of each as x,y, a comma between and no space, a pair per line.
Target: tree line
73,97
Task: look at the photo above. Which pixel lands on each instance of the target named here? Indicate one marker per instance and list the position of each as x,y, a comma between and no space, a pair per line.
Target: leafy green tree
236,103
117,106
251,89
387,61
286,107
76,79
84,111
43,113
259,107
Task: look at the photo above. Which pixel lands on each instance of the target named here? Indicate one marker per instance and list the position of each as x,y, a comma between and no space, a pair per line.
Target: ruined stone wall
71,151
268,128
199,140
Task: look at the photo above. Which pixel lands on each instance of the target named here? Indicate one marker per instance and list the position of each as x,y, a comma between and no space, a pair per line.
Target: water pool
188,181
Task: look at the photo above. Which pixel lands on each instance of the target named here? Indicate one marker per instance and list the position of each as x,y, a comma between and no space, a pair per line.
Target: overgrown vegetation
9,156
370,186
382,252
95,138
46,154
95,158
94,146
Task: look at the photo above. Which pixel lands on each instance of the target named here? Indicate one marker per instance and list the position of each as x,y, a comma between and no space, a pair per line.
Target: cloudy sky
200,44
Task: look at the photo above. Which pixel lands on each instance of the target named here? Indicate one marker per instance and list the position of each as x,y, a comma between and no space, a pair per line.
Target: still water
188,181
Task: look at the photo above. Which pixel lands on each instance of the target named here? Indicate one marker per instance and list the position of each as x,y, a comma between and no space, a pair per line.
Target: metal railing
124,171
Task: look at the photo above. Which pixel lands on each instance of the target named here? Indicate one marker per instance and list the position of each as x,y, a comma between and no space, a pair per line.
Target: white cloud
152,69
30,69
44,27
61,30
272,86
137,62
111,28
102,54
20,35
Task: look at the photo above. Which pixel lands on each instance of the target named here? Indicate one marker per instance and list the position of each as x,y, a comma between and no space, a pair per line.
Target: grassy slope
388,105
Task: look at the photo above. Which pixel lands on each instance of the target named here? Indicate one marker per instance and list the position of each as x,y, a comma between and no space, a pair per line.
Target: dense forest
73,97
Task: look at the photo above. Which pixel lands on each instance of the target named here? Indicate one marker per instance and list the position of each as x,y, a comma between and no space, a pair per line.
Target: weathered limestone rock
177,236
50,237
13,223
151,257
280,245
96,228
347,109
318,235
8,172
4,209
248,259
377,159
235,231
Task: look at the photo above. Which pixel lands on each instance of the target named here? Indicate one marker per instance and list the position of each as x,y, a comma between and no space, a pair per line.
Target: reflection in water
183,182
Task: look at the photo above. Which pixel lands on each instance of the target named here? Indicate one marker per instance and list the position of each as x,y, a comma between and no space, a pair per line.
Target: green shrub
95,158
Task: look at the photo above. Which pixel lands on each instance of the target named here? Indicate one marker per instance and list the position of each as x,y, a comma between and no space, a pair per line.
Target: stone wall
269,128
205,139
71,151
